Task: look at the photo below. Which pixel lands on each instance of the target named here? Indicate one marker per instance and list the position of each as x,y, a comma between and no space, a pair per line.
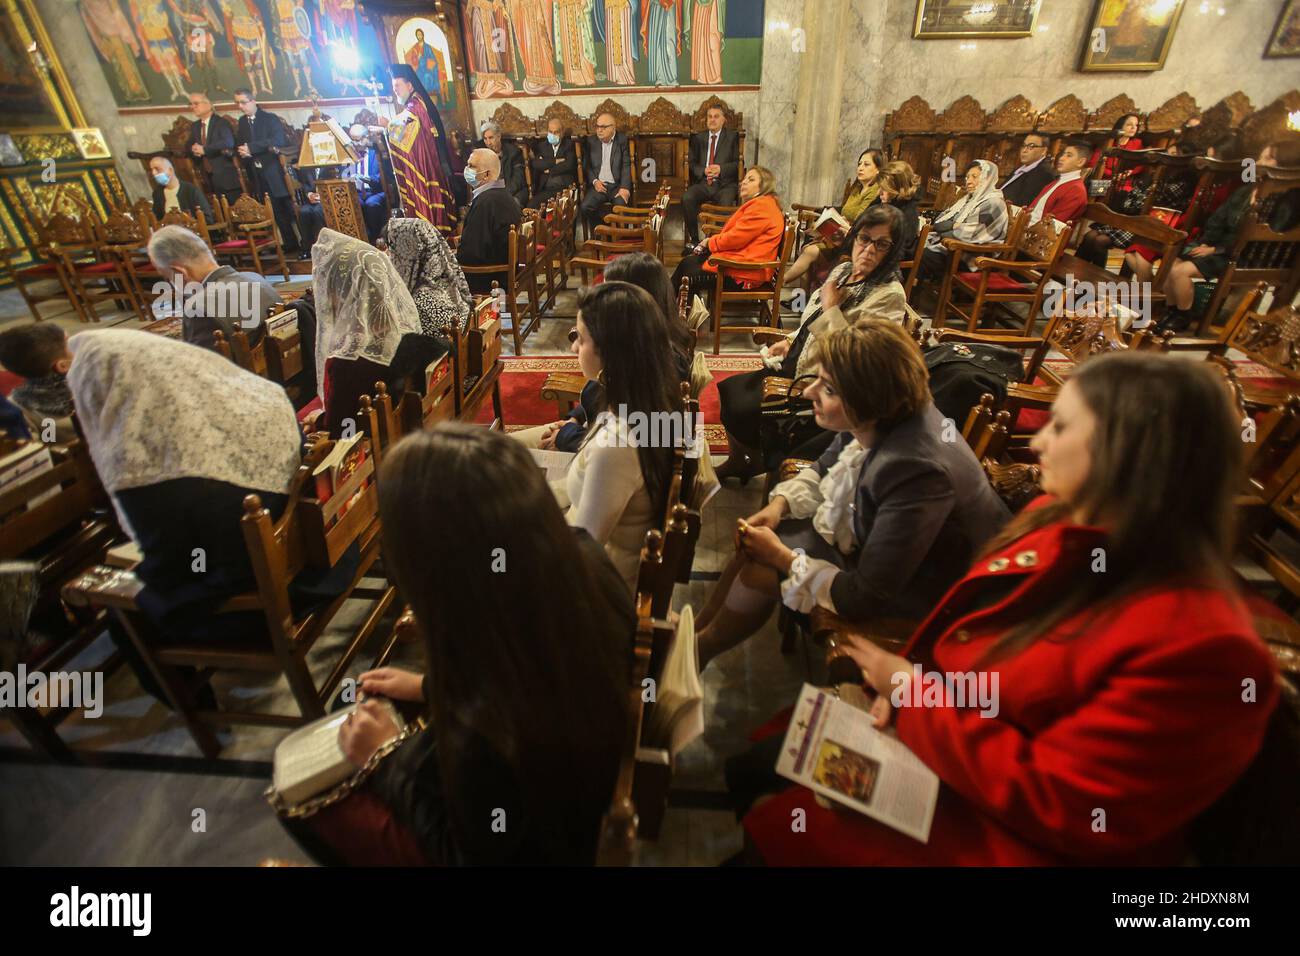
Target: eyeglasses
604,126
1033,146
883,244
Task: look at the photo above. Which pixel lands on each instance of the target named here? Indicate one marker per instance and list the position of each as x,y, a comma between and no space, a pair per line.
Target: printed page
554,463
832,749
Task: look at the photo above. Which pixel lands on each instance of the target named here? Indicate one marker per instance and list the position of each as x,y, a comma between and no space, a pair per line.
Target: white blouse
828,500
605,494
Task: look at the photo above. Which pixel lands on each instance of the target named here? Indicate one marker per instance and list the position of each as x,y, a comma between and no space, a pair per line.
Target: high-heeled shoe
744,469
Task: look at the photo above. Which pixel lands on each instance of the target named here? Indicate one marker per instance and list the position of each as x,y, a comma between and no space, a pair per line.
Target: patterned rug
524,407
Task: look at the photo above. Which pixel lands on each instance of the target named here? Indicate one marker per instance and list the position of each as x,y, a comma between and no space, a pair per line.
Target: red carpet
524,407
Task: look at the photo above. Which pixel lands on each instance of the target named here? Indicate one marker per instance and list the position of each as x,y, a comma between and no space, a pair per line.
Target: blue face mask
471,177
553,139
162,179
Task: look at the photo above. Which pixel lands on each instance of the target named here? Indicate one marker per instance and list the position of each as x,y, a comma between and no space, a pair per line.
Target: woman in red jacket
752,234
1133,689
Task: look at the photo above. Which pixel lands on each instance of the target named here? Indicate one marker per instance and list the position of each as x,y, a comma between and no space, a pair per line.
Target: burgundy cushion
998,282
95,268
44,268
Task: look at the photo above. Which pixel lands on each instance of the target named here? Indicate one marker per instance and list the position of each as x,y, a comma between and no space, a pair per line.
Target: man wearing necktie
715,171
212,144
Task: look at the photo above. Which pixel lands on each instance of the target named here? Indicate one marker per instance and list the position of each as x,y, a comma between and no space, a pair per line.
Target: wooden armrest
102,586
645,212
768,336
1189,344
722,262
1024,394
597,245
956,245
626,220
792,466
992,338
1007,265
889,633
503,268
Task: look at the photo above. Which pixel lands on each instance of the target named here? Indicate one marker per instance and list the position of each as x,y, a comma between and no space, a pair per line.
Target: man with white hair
512,162
209,296
368,174
171,192
492,211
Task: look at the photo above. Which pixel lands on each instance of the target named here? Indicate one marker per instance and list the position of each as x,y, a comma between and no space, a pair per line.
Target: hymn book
554,463
831,225
832,749
310,761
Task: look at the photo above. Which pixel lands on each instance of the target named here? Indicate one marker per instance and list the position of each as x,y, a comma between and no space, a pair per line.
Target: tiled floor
51,815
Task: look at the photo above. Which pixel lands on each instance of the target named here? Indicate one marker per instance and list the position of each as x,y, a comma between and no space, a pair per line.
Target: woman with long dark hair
617,486
1132,689
526,629
867,286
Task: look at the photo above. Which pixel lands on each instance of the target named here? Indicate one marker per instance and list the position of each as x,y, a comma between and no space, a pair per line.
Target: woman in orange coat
752,234
1131,687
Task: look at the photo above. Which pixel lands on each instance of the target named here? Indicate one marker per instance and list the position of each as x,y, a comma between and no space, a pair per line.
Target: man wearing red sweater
1066,197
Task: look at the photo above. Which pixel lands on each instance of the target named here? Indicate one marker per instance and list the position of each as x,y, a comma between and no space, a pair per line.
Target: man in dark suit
166,186
609,171
212,144
715,171
259,139
1034,172
311,215
555,165
485,239
512,161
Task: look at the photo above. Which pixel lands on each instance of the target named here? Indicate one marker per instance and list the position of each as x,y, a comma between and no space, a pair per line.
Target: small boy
39,353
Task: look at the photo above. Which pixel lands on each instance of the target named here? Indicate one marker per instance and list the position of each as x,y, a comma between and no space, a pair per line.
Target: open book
830,224
309,761
554,463
677,716
832,749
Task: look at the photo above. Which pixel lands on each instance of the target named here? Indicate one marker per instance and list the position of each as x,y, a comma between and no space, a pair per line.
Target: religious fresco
543,47
153,52
422,45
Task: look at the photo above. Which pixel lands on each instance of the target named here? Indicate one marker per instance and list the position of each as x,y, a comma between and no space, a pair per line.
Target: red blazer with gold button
1136,712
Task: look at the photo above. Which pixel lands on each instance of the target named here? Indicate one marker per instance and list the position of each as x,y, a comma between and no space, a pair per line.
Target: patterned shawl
431,273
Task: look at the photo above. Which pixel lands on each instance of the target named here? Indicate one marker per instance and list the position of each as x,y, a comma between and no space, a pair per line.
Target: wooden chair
32,280
516,283
911,268
1000,282
309,533
477,364
713,217
126,238
765,298
236,349
253,233
93,276
1258,255
282,344
957,249
56,520
617,241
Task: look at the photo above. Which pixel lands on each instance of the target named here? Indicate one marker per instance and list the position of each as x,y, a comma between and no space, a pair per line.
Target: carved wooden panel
1272,339
1065,115
247,210
512,121
624,119
699,117
1172,114
1109,112
177,139
121,228
342,208
914,116
964,116
1016,115
573,123
662,117
1269,125
365,118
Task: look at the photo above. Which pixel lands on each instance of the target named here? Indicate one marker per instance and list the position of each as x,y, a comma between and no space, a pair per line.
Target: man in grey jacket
208,296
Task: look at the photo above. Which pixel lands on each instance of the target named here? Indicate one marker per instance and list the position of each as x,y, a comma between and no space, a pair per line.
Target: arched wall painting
422,44
153,51
546,47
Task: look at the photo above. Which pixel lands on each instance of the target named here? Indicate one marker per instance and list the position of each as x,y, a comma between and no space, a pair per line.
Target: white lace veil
363,307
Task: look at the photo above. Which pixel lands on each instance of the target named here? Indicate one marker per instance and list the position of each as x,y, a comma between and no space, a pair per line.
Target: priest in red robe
421,158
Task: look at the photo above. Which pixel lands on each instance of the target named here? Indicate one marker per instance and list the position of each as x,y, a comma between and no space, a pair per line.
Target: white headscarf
966,210
363,307
154,408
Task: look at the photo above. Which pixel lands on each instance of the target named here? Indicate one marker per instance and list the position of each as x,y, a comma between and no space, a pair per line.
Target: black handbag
782,397
960,373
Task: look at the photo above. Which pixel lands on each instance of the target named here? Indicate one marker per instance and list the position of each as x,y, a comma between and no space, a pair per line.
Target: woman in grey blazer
884,523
